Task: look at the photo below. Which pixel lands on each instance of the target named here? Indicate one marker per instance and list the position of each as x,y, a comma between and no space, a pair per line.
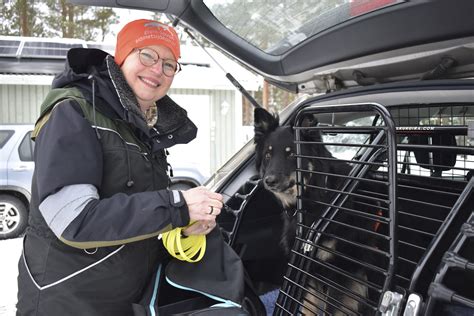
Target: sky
125,16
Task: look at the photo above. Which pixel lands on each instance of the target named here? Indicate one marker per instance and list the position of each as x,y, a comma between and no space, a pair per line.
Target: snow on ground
10,251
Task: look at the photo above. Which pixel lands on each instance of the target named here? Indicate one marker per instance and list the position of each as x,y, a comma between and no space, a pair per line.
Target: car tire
13,216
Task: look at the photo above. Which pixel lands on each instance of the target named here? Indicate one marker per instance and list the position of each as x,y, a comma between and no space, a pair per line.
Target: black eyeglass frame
178,65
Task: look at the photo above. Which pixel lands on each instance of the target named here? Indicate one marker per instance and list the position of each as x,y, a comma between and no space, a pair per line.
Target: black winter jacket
91,134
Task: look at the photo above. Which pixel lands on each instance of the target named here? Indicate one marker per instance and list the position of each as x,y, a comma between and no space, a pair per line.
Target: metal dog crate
408,199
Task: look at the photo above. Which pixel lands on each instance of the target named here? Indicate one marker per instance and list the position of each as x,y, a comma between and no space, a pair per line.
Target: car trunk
408,200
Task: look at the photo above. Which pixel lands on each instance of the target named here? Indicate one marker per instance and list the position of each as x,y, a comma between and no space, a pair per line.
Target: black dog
276,163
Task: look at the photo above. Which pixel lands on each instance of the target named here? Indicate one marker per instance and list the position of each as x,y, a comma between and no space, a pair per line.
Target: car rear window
26,148
5,136
277,26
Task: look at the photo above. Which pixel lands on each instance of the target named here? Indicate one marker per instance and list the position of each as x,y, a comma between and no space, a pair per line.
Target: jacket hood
101,81
87,67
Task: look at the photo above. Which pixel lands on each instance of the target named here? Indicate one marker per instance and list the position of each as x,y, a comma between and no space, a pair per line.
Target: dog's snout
270,181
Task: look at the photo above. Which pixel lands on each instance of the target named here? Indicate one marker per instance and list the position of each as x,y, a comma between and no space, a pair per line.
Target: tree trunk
63,19
23,13
265,94
70,21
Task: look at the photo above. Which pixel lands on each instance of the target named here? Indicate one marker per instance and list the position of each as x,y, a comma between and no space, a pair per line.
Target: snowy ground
10,251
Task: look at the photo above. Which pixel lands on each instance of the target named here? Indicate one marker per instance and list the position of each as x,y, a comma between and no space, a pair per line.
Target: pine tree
20,18
55,18
104,17
87,23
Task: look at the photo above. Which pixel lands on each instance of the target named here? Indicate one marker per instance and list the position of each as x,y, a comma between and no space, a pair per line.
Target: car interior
427,139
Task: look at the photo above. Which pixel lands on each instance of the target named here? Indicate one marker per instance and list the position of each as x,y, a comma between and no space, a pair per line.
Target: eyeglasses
148,57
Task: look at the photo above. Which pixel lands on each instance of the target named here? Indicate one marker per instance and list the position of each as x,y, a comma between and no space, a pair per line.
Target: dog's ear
311,134
310,120
264,123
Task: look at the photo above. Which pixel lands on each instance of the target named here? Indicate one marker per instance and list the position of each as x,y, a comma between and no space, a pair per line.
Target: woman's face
149,84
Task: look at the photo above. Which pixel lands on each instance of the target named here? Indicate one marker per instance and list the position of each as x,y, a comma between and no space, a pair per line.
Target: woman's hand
199,228
203,206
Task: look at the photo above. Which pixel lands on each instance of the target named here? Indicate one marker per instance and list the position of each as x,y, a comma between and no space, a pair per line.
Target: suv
16,172
390,83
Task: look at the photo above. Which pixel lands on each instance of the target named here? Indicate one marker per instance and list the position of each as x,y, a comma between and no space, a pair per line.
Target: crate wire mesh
347,247
446,153
333,257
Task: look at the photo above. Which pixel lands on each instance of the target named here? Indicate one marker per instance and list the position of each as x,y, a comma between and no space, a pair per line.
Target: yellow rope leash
184,248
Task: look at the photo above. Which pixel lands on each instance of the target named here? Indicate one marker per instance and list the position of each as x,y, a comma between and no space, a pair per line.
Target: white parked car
16,171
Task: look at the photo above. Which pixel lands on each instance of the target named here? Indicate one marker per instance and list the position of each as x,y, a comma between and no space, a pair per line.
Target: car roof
413,36
9,126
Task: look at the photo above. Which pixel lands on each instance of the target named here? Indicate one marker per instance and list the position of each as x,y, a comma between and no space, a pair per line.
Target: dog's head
275,157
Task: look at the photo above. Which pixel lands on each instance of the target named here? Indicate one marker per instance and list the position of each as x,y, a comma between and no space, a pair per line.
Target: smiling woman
101,189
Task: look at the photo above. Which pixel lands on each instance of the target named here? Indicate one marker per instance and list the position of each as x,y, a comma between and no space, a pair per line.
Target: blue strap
225,303
155,291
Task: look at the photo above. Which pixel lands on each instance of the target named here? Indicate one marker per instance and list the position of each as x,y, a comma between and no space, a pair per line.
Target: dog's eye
268,155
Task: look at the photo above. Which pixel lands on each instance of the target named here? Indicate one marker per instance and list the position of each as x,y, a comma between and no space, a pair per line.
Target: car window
4,137
26,148
277,26
348,152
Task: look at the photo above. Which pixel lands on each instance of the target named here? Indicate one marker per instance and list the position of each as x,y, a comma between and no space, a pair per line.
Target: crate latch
391,303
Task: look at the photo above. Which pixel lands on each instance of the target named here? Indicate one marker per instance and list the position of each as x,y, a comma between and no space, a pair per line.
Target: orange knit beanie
141,33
